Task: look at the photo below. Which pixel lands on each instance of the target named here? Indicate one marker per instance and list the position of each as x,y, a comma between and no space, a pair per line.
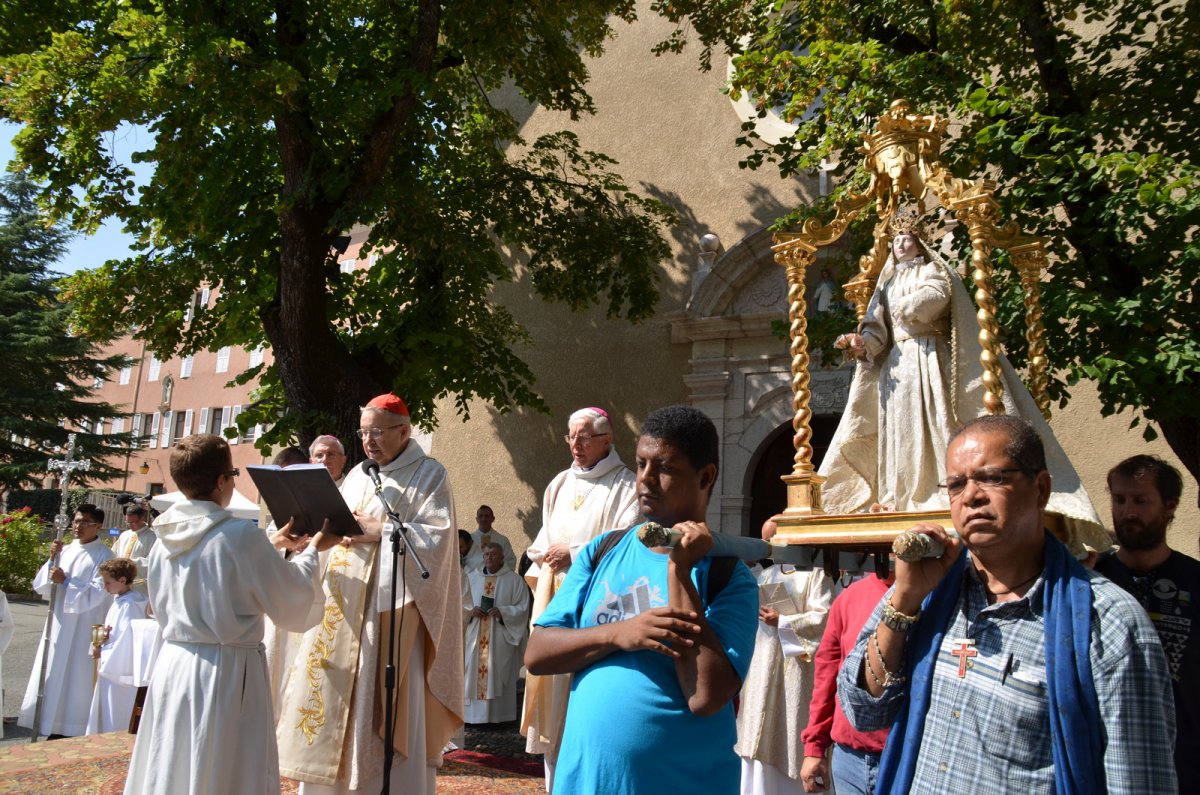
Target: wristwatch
896,620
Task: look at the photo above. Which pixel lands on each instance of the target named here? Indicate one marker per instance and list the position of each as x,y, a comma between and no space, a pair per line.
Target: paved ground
29,617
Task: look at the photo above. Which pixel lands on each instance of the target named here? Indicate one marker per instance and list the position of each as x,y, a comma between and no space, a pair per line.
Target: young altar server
207,723
112,700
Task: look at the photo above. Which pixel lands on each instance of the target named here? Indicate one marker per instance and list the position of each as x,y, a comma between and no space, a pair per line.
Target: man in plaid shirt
1003,665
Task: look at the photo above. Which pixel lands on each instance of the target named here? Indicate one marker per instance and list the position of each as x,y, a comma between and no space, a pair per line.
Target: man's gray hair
326,438
596,417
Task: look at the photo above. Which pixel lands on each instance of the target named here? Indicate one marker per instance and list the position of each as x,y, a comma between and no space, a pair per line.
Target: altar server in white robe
775,695
597,494
206,726
497,625
136,542
331,727
112,700
81,602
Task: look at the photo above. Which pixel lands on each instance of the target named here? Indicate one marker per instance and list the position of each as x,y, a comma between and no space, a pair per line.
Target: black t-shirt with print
1171,595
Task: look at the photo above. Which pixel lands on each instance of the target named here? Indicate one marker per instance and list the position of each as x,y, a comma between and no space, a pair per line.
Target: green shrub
23,549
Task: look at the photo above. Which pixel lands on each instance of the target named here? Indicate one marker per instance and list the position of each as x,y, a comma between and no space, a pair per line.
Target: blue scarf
1075,736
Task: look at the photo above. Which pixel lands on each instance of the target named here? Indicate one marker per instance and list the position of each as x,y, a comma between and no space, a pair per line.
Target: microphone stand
399,533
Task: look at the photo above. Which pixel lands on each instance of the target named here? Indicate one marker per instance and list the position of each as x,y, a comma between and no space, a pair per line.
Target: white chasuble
778,686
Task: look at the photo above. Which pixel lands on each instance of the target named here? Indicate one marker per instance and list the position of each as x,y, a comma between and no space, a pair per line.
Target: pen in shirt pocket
1007,668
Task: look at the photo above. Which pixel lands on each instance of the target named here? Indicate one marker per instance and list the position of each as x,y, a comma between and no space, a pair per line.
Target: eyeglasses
375,433
82,522
583,437
986,478
232,473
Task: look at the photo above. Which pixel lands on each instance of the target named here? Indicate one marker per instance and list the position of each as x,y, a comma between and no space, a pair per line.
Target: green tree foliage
1086,114
48,372
278,127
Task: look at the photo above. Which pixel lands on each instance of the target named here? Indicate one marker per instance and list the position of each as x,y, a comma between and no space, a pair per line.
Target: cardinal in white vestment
81,602
331,725
112,700
778,687
496,628
206,727
597,494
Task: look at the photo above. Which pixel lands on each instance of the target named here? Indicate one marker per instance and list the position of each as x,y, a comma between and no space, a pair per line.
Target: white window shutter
237,437
185,367
155,366
125,373
155,422
164,440
223,360
203,421
226,419
137,431
188,416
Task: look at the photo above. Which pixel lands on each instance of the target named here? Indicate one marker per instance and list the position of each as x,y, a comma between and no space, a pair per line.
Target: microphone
372,469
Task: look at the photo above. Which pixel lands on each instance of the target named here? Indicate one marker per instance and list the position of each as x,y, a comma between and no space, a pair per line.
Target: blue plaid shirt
989,730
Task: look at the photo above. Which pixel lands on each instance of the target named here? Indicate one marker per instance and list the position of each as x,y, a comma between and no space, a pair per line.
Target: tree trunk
1183,435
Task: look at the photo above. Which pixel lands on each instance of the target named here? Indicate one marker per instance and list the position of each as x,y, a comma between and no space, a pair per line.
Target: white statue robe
206,726
579,504
494,647
112,700
778,686
922,381
136,546
479,540
429,699
6,633
81,602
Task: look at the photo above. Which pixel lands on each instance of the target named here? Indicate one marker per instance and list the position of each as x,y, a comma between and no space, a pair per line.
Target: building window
164,440
118,425
183,424
155,366
125,373
185,367
256,356
155,422
223,360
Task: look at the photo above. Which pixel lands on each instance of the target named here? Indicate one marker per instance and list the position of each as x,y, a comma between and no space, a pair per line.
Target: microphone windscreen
371,467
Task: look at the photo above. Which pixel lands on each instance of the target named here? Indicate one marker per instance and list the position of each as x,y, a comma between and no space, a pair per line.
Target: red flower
26,509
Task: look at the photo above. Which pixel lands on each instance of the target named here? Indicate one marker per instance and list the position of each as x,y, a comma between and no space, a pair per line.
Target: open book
307,493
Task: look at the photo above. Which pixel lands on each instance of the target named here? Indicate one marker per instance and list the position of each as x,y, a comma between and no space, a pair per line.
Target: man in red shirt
855,753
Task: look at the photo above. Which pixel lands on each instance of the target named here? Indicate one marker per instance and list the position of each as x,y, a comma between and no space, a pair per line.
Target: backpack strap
607,542
719,571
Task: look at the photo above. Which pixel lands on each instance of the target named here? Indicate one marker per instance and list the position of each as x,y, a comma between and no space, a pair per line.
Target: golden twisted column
1030,261
981,212
803,484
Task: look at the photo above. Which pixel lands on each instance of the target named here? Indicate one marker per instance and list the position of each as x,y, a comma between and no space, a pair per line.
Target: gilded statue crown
908,219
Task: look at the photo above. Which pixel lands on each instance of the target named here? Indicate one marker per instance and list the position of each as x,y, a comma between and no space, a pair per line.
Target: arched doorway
768,494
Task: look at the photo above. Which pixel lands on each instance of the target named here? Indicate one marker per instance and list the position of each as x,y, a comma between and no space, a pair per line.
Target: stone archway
739,375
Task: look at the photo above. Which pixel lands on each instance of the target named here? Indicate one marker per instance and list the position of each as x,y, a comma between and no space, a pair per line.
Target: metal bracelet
897,621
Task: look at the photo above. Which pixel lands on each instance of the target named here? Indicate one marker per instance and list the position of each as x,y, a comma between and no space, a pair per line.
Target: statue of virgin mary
917,379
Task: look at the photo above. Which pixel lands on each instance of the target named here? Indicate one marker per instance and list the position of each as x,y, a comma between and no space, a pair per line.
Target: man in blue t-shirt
656,664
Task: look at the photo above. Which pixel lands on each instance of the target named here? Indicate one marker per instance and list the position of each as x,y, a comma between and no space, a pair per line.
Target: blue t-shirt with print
628,726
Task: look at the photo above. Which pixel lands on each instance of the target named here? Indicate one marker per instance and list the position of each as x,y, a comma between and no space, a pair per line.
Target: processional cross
65,468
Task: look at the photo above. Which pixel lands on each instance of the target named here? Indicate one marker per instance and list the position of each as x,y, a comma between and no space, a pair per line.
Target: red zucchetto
388,402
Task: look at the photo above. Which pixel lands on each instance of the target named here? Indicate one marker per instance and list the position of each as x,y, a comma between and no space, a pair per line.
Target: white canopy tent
240,506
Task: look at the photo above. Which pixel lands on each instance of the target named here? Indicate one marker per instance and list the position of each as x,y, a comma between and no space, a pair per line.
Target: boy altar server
112,700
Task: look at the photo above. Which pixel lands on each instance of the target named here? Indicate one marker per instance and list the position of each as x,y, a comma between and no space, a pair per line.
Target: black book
307,493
